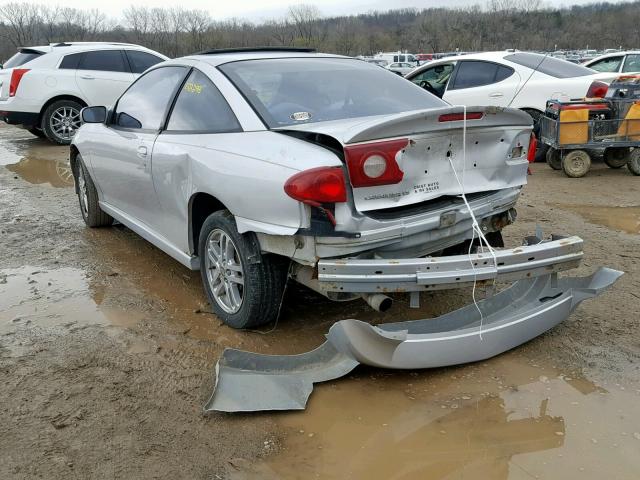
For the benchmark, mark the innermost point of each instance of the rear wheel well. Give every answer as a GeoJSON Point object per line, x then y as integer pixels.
{"type": "Point", "coordinates": [55, 99]}
{"type": "Point", "coordinates": [73, 161]}
{"type": "Point", "coordinates": [201, 205]}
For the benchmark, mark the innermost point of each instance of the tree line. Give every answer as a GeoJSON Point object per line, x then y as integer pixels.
{"type": "Point", "coordinates": [176, 31]}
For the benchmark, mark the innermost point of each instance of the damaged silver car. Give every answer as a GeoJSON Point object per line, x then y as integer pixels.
{"type": "Point", "coordinates": [262, 166]}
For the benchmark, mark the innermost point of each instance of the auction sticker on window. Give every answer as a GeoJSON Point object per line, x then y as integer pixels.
{"type": "Point", "coordinates": [300, 116]}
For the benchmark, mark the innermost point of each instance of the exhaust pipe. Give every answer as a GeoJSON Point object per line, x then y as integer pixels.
{"type": "Point", "coordinates": [378, 301]}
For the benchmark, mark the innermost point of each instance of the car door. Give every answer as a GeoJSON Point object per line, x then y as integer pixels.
{"type": "Point", "coordinates": [121, 159]}
{"type": "Point", "coordinates": [479, 82]}
{"type": "Point", "coordinates": [103, 75]}
{"type": "Point", "coordinates": [201, 123]}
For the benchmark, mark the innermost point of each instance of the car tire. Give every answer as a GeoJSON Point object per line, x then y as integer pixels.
{"type": "Point", "coordinates": [634, 161]}
{"type": "Point", "coordinates": [576, 163]}
{"type": "Point", "coordinates": [244, 286]}
{"type": "Point", "coordinates": [554, 158]}
{"type": "Point", "coordinates": [617, 157]}
{"type": "Point", "coordinates": [60, 121]}
{"type": "Point", "coordinates": [92, 214]}
{"type": "Point", "coordinates": [37, 132]}
{"type": "Point", "coordinates": [541, 149]}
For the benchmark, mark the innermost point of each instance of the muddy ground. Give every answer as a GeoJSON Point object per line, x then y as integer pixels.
{"type": "Point", "coordinates": [107, 352]}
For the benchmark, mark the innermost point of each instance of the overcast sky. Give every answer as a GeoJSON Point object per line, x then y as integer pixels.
{"type": "Point", "coordinates": [257, 10]}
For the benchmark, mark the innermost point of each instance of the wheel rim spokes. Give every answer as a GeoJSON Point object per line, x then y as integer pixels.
{"type": "Point", "coordinates": [65, 121]}
{"type": "Point", "coordinates": [224, 271]}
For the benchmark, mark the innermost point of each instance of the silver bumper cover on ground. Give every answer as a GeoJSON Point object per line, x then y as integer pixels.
{"type": "Point", "coordinates": [248, 381]}
{"type": "Point", "coordinates": [437, 273]}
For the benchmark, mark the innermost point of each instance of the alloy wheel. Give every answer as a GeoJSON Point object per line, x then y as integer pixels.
{"type": "Point", "coordinates": [224, 271]}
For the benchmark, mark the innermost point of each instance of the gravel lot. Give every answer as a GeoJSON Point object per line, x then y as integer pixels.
{"type": "Point", "coordinates": [107, 352]}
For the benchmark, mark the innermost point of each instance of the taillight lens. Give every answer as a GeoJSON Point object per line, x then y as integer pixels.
{"type": "Point", "coordinates": [597, 89]}
{"type": "Point", "coordinates": [317, 185]}
{"type": "Point", "coordinates": [16, 76]}
{"type": "Point", "coordinates": [372, 164]}
{"type": "Point", "coordinates": [533, 146]}
{"type": "Point", "coordinates": [457, 117]}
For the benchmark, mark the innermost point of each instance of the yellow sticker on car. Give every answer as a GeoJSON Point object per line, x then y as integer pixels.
{"type": "Point", "coordinates": [191, 87]}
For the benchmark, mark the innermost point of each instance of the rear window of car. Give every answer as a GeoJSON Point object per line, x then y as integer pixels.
{"type": "Point", "coordinates": [140, 61]}
{"type": "Point", "coordinates": [103, 60]}
{"type": "Point", "coordinates": [71, 62]}
{"type": "Point", "coordinates": [291, 91]}
{"type": "Point", "coordinates": [21, 58]}
{"type": "Point", "coordinates": [551, 66]}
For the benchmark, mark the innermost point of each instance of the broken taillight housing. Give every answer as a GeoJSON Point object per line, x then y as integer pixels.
{"type": "Point", "coordinates": [597, 89]}
{"type": "Point", "coordinates": [16, 76]}
{"type": "Point", "coordinates": [372, 164]}
{"type": "Point", "coordinates": [317, 185]}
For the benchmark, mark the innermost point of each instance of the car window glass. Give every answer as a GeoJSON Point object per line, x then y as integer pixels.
{"type": "Point", "coordinates": [474, 74]}
{"type": "Point", "coordinates": [22, 57]}
{"type": "Point", "coordinates": [632, 64]}
{"type": "Point", "coordinates": [435, 78]}
{"type": "Point", "coordinates": [611, 64]}
{"type": "Point", "coordinates": [553, 67]}
{"type": "Point", "coordinates": [71, 61]}
{"type": "Point", "coordinates": [503, 73]}
{"type": "Point", "coordinates": [145, 103]}
{"type": "Point", "coordinates": [290, 91]}
{"type": "Point", "coordinates": [140, 61]}
{"type": "Point", "coordinates": [200, 107]}
{"type": "Point", "coordinates": [104, 60]}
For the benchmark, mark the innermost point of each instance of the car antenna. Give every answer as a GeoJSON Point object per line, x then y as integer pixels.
{"type": "Point", "coordinates": [530, 75]}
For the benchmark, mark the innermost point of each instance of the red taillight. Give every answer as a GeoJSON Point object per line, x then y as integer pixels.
{"type": "Point", "coordinates": [597, 89]}
{"type": "Point", "coordinates": [372, 164]}
{"type": "Point", "coordinates": [533, 146]}
{"type": "Point", "coordinates": [457, 117]}
{"type": "Point", "coordinates": [317, 185]}
{"type": "Point", "coordinates": [16, 76]}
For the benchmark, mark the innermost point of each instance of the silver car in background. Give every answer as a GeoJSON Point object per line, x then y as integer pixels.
{"type": "Point", "coordinates": [259, 166]}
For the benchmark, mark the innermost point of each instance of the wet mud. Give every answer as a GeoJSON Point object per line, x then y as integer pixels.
{"type": "Point", "coordinates": [107, 349]}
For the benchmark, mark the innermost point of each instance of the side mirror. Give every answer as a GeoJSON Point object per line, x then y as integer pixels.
{"type": "Point", "coordinates": [94, 114]}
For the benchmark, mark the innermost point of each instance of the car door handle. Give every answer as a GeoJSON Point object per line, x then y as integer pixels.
{"type": "Point", "coordinates": [142, 151]}
{"type": "Point", "coordinates": [496, 94]}
{"type": "Point", "coordinates": [87, 77]}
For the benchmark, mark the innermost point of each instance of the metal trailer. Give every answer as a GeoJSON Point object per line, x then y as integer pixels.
{"type": "Point", "coordinates": [572, 129]}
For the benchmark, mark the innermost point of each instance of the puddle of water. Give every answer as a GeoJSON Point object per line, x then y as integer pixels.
{"type": "Point", "coordinates": [54, 172]}
{"type": "Point", "coordinates": [626, 219]}
{"type": "Point", "coordinates": [55, 297]}
{"type": "Point", "coordinates": [505, 419]}
{"type": "Point", "coordinates": [34, 159]}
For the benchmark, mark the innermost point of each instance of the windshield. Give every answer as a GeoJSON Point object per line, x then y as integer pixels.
{"type": "Point", "coordinates": [21, 58]}
{"type": "Point", "coordinates": [554, 67]}
{"type": "Point", "coordinates": [291, 91]}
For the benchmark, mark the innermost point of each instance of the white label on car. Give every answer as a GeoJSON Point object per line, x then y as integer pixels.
{"type": "Point", "coordinates": [300, 116]}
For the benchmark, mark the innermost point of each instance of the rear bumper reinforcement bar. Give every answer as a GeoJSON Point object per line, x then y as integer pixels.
{"type": "Point", "coordinates": [248, 381]}
{"type": "Point", "coordinates": [437, 273]}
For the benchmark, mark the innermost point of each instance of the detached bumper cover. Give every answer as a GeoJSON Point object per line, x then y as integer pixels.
{"type": "Point", "coordinates": [437, 273]}
{"type": "Point", "coordinates": [248, 381]}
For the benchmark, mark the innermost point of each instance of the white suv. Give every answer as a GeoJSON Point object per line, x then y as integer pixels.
{"type": "Point", "coordinates": [44, 88]}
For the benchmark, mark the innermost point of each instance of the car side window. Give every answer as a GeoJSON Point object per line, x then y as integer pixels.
{"type": "Point", "coordinates": [632, 64]}
{"type": "Point", "coordinates": [472, 73]}
{"type": "Point", "coordinates": [434, 79]}
{"type": "Point", "coordinates": [71, 62]}
{"type": "Point", "coordinates": [104, 60]}
{"type": "Point", "coordinates": [146, 102]}
{"type": "Point", "coordinates": [200, 107]}
{"type": "Point", "coordinates": [140, 61]}
{"type": "Point", "coordinates": [611, 64]}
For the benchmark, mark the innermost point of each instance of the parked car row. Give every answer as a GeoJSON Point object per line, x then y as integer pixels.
{"type": "Point", "coordinates": [44, 88]}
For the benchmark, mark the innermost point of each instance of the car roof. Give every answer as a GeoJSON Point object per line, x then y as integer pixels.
{"type": "Point", "coordinates": [229, 56]}
{"type": "Point", "coordinates": [74, 47]}
{"type": "Point", "coordinates": [492, 56]}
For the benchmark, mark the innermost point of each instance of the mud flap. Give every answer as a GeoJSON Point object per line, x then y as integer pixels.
{"type": "Point", "coordinates": [248, 381]}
